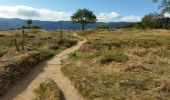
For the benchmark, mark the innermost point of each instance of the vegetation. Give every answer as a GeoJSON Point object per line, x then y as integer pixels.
{"type": "Point", "coordinates": [83, 16]}
{"type": "Point", "coordinates": [116, 57]}
{"type": "Point", "coordinates": [35, 27]}
{"type": "Point", "coordinates": [149, 21]}
{"type": "Point", "coordinates": [114, 64]}
{"type": "Point", "coordinates": [31, 27]}
{"type": "Point", "coordinates": [29, 22]}
{"type": "Point", "coordinates": [122, 64]}
{"type": "Point", "coordinates": [152, 21]}
{"type": "Point", "coordinates": [30, 48]}
{"type": "Point", "coordinates": [103, 26]}
{"type": "Point", "coordinates": [48, 90]}
{"type": "Point", "coordinates": [155, 20]}
{"type": "Point", "coordinates": [165, 6]}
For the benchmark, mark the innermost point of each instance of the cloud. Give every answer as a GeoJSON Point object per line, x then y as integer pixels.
{"type": "Point", "coordinates": [26, 12]}
{"type": "Point", "coordinates": [131, 18]}
{"type": "Point", "coordinates": [115, 17]}
{"type": "Point", "coordinates": [107, 17]}
{"type": "Point", "coordinates": [167, 15]}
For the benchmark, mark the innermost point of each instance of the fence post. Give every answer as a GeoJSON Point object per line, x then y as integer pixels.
{"type": "Point", "coordinates": [22, 43]}
{"type": "Point", "coordinates": [16, 44]}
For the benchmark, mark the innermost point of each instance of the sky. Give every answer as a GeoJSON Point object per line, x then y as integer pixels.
{"type": "Point", "coordinates": [61, 10]}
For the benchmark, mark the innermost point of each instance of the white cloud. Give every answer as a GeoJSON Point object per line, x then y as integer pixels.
{"type": "Point", "coordinates": [130, 18]}
{"type": "Point", "coordinates": [167, 15]}
{"type": "Point", "coordinates": [115, 17]}
{"type": "Point", "coordinates": [25, 12]}
{"type": "Point", "coordinates": [107, 17]}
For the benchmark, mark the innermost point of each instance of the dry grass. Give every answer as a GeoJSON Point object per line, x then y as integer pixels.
{"type": "Point", "coordinates": [34, 39]}
{"type": "Point", "coordinates": [48, 90]}
{"type": "Point", "coordinates": [136, 65]}
{"type": "Point", "coordinates": [39, 45]}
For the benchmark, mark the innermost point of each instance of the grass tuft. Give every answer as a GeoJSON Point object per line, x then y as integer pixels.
{"type": "Point", "coordinates": [116, 58]}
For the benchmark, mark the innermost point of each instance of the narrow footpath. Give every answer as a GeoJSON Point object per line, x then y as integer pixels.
{"type": "Point", "coordinates": [50, 68]}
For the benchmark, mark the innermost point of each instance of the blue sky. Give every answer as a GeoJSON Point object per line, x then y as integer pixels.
{"type": "Point", "coordinates": [106, 10]}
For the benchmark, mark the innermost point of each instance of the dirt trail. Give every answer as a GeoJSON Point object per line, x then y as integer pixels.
{"type": "Point", "coordinates": [50, 68]}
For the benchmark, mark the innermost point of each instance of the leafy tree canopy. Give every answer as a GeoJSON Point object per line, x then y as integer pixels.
{"type": "Point", "coordinates": [84, 16]}
{"type": "Point", "coordinates": [165, 5]}
{"type": "Point", "coordinates": [29, 21]}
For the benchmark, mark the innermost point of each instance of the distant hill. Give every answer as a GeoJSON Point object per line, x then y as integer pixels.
{"type": "Point", "coordinates": [14, 23]}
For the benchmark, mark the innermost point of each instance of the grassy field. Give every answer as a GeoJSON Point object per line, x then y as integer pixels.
{"type": "Point", "coordinates": [38, 45]}
{"type": "Point", "coordinates": [34, 39]}
{"type": "Point", "coordinates": [122, 64]}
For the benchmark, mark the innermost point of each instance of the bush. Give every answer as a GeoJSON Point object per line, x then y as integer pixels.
{"type": "Point", "coordinates": [32, 27]}
{"type": "Point", "coordinates": [47, 90]}
{"type": "Point", "coordinates": [73, 56]}
{"type": "Point", "coordinates": [47, 54]}
{"type": "Point", "coordinates": [35, 27]}
{"type": "Point", "coordinates": [2, 53]}
{"type": "Point", "coordinates": [54, 47]}
{"type": "Point", "coordinates": [103, 26]}
{"type": "Point", "coordinates": [67, 42]}
{"type": "Point", "coordinates": [115, 57]}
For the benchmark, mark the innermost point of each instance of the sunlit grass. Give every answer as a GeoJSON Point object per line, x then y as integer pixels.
{"type": "Point", "coordinates": [135, 65]}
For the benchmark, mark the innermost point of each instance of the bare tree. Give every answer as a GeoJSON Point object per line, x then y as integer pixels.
{"type": "Point", "coordinates": [16, 44]}
{"type": "Point", "coordinates": [23, 37]}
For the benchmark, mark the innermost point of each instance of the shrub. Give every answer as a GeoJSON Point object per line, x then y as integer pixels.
{"type": "Point", "coordinates": [67, 42]}
{"type": "Point", "coordinates": [140, 53]}
{"type": "Point", "coordinates": [32, 27]}
{"type": "Point", "coordinates": [102, 26]}
{"type": "Point", "coordinates": [115, 57]}
{"type": "Point", "coordinates": [47, 90]}
{"type": "Point", "coordinates": [46, 54]}
{"type": "Point", "coordinates": [73, 56]}
{"type": "Point", "coordinates": [2, 53]}
{"type": "Point", "coordinates": [54, 47]}
{"type": "Point", "coordinates": [35, 27]}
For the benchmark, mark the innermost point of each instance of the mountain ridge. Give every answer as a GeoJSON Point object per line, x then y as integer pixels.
{"type": "Point", "coordinates": [14, 23]}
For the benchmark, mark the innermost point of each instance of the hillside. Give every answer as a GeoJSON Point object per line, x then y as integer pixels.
{"type": "Point", "coordinates": [38, 46]}
{"type": "Point", "coordinates": [51, 25]}
{"type": "Point", "coordinates": [109, 64]}
{"type": "Point", "coordinates": [122, 64]}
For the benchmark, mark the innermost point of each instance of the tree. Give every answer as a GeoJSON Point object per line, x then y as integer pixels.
{"type": "Point", "coordinates": [23, 39]}
{"type": "Point", "coordinates": [16, 44]}
{"type": "Point", "coordinates": [29, 22]}
{"type": "Point", "coordinates": [151, 20]}
{"type": "Point", "coordinates": [165, 5]}
{"type": "Point", "coordinates": [83, 16]}
{"type": "Point", "coordinates": [148, 21]}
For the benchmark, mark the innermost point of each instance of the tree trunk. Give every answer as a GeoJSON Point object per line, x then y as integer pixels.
{"type": "Point", "coordinates": [155, 22]}
{"type": "Point", "coordinates": [29, 26]}
{"type": "Point", "coordinates": [61, 33]}
{"type": "Point", "coordinates": [16, 45]}
{"type": "Point", "coordinates": [83, 27]}
{"type": "Point", "coordinates": [22, 43]}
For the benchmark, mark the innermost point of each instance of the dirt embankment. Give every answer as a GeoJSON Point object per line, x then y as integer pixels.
{"type": "Point", "coordinates": [50, 68]}
{"type": "Point", "coordinates": [16, 68]}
